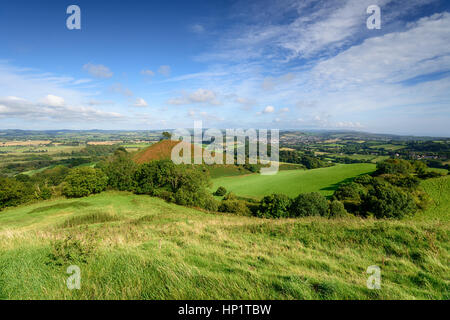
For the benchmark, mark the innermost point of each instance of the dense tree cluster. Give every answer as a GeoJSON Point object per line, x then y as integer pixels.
{"type": "Point", "coordinates": [309, 161]}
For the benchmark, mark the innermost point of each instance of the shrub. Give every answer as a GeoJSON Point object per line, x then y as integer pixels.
{"type": "Point", "coordinates": [235, 206]}
{"type": "Point", "coordinates": [13, 192]}
{"type": "Point", "coordinates": [309, 204]}
{"type": "Point", "coordinates": [84, 181]}
{"type": "Point", "coordinates": [337, 210]}
{"type": "Point", "coordinates": [364, 179]}
{"type": "Point", "coordinates": [394, 166]}
{"type": "Point", "coordinates": [230, 196]}
{"type": "Point", "coordinates": [120, 170]}
{"type": "Point", "coordinates": [387, 201]}
{"type": "Point", "coordinates": [349, 191]}
{"type": "Point", "coordinates": [401, 180]}
{"type": "Point", "coordinates": [274, 206]}
{"type": "Point", "coordinates": [70, 250]}
{"type": "Point", "coordinates": [45, 193]}
{"type": "Point", "coordinates": [221, 191]}
{"type": "Point", "coordinates": [53, 176]}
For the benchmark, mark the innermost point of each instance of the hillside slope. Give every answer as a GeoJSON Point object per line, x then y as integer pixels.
{"type": "Point", "coordinates": [137, 247]}
{"type": "Point", "coordinates": [294, 182]}
{"type": "Point", "coordinates": [162, 150]}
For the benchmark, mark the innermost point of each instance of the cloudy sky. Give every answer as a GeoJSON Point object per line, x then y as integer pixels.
{"type": "Point", "coordinates": [303, 64]}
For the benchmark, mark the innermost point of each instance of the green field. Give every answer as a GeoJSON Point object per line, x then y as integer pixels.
{"type": "Point", "coordinates": [439, 190]}
{"type": "Point", "coordinates": [138, 247]}
{"type": "Point", "coordinates": [293, 182]}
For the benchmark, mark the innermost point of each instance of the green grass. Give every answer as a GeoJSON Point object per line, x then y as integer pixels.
{"type": "Point", "coordinates": [439, 191]}
{"type": "Point", "coordinates": [293, 182]}
{"type": "Point", "coordinates": [150, 249]}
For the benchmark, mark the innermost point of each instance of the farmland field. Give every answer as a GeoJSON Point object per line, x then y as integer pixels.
{"type": "Point", "coordinates": [293, 182]}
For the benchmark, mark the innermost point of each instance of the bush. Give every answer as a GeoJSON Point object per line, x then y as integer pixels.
{"type": "Point", "coordinates": [387, 201]}
{"type": "Point", "coordinates": [309, 204]}
{"type": "Point", "coordinates": [221, 191]}
{"type": "Point", "coordinates": [394, 166]}
{"type": "Point", "coordinates": [230, 196]}
{"type": "Point", "coordinates": [84, 181]}
{"type": "Point", "coordinates": [349, 191]}
{"type": "Point", "coordinates": [120, 170]}
{"type": "Point", "coordinates": [13, 192]}
{"type": "Point", "coordinates": [70, 250]}
{"type": "Point", "coordinates": [274, 206]}
{"type": "Point", "coordinates": [401, 180]}
{"type": "Point", "coordinates": [184, 185]}
{"type": "Point", "coordinates": [45, 193]}
{"type": "Point", "coordinates": [337, 210]}
{"type": "Point", "coordinates": [364, 179]}
{"type": "Point", "coordinates": [235, 206]}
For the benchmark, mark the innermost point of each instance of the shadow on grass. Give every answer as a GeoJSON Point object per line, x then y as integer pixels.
{"type": "Point", "coordinates": [334, 186]}
{"type": "Point", "coordinates": [58, 206]}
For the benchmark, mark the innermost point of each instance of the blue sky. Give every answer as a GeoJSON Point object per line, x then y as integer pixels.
{"type": "Point", "coordinates": [255, 64]}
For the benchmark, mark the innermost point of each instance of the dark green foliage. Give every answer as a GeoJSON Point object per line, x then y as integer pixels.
{"type": "Point", "coordinates": [309, 161]}
{"type": "Point", "coordinates": [221, 191]}
{"type": "Point", "coordinates": [309, 204]}
{"type": "Point", "coordinates": [52, 177]}
{"type": "Point", "coordinates": [420, 167]}
{"type": "Point", "coordinates": [394, 166]}
{"type": "Point", "coordinates": [364, 179]}
{"type": "Point", "coordinates": [22, 178]}
{"type": "Point", "coordinates": [167, 135]}
{"type": "Point", "coordinates": [84, 181]}
{"type": "Point", "coordinates": [70, 250]}
{"type": "Point", "coordinates": [230, 196]}
{"type": "Point", "coordinates": [120, 170]}
{"type": "Point", "coordinates": [274, 206]}
{"type": "Point", "coordinates": [349, 191]}
{"type": "Point", "coordinates": [184, 185]}
{"type": "Point", "coordinates": [431, 175]}
{"type": "Point", "coordinates": [13, 192]}
{"type": "Point", "coordinates": [400, 180]}
{"type": "Point", "coordinates": [387, 201]}
{"type": "Point", "coordinates": [252, 167]}
{"type": "Point", "coordinates": [337, 209]}
{"type": "Point", "coordinates": [235, 206]}
{"type": "Point", "coordinates": [46, 193]}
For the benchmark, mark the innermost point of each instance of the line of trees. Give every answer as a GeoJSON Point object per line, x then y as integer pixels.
{"type": "Point", "coordinates": [393, 191]}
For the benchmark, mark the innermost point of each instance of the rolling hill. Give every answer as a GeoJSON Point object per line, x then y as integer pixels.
{"type": "Point", "coordinates": [293, 182]}
{"type": "Point", "coordinates": [136, 247]}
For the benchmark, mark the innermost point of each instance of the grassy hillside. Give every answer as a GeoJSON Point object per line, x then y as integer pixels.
{"type": "Point", "coordinates": [293, 182]}
{"type": "Point", "coordinates": [439, 191]}
{"type": "Point", "coordinates": [138, 247]}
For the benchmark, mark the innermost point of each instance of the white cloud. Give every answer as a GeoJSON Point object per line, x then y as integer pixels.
{"type": "Point", "coordinates": [197, 28]}
{"type": "Point", "coordinates": [164, 70]}
{"type": "Point", "coordinates": [148, 73]}
{"type": "Point", "coordinates": [120, 89]}
{"type": "Point", "coordinates": [269, 109]}
{"type": "Point", "coordinates": [53, 101]}
{"type": "Point", "coordinates": [140, 103]}
{"type": "Point", "coordinates": [52, 109]}
{"type": "Point", "coordinates": [201, 95]}
{"type": "Point", "coordinates": [98, 71]}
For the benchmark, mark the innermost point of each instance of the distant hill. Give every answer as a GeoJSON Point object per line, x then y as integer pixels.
{"type": "Point", "coordinates": [161, 150]}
